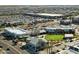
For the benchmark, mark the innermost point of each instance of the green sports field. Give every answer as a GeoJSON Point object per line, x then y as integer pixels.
{"type": "Point", "coordinates": [54, 37]}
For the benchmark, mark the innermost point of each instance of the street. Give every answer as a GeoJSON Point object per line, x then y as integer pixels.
{"type": "Point", "coordinates": [14, 49]}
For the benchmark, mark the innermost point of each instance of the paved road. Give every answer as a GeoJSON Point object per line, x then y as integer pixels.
{"type": "Point", "coordinates": [14, 49]}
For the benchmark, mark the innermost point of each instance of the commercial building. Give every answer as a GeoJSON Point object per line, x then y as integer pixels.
{"type": "Point", "coordinates": [45, 15]}
{"type": "Point", "coordinates": [75, 20]}
{"type": "Point", "coordinates": [66, 22]}
{"type": "Point", "coordinates": [75, 48]}
{"type": "Point", "coordinates": [60, 30]}
{"type": "Point", "coordinates": [72, 49]}
{"type": "Point", "coordinates": [42, 32]}
{"type": "Point", "coordinates": [36, 44]}
{"type": "Point", "coordinates": [68, 35]}
{"type": "Point", "coordinates": [65, 52]}
{"type": "Point", "coordinates": [13, 23]}
{"type": "Point", "coordinates": [16, 32]}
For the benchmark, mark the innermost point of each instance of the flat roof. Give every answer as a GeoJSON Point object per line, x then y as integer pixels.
{"type": "Point", "coordinates": [42, 31]}
{"type": "Point", "coordinates": [76, 45]}
{"type": "Point", "coordinates": [16, 31]}
{"type": "Point", "coordinates": [45, 14]}
{"type": "Point", "coordinates": [33, 40]}
{"type": "Point", "coordinates": [67, 20]}
{"type": "Point", "coordinates": [60, 27]}
{"type": "Point", "coordinates": [76, 16]}
{"type": "Point", "coordinates": [69, 35]}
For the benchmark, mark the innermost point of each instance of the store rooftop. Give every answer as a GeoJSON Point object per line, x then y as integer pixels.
{"type": "Point", "coordinates": [45, 14]}
{"type": "Point", "coordinates": [17, 31]}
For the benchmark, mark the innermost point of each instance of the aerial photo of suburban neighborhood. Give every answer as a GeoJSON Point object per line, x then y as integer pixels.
{"type": "Point", "coordinates": [39, 29]}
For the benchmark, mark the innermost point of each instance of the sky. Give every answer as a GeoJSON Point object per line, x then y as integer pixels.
{"type": "Point", "coordinates": [39, 2]}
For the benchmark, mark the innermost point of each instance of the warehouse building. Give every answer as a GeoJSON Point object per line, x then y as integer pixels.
{"type": "Point", "coordinates": [13, 23]}
{"type": "Point", "coordinates": [66, 22]}
{"type": "Point", "coordinates": [68, 37]}
{"type": "Point", "coordinates": [16, 33]}
{"type": "Point", "coordinates": [72, 49]}
{"type": "Point", "coordinates": [45, 15]}
{"type": "Point", "coordinates": [75, 48]}
{"type": "Point", "coordinates": [60, 30]}
{"type": "Point", "coordinates": [36, 44]}
{"type": "Point", "coordinates": [42, 32]}
{"type": "Point", "coordinates": [75, 20]}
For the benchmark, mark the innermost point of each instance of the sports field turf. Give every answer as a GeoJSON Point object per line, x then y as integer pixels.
{"type": "Point", "coordinates": [54, 37]}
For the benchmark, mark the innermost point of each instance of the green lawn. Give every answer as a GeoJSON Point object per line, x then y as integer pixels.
{"type": "Point", "coordinates": [54, 37]}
